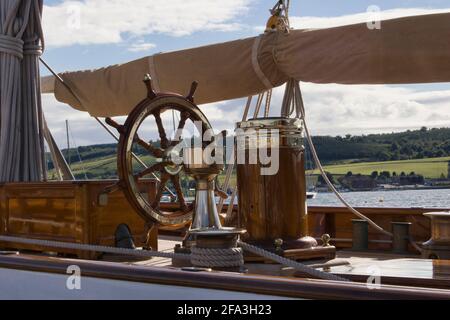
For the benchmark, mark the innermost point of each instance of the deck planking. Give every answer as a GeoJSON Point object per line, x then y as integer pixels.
{"type": "Point", "coordinates": [407, 270]}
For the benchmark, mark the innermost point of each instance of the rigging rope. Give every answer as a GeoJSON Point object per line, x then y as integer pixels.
{"type": "Point", "coordinates": [293, 97]}
{"type": "Point", "coordinates": [301, 111]}
{"type": "Point", "coordinates": [200, 256]}
{"type": "Point", "coordinates": [78, 152]}
{"type": "Point", "coordinates": [290, 263]}
{"type": "Point", "coordinates": [104, 126]}
{"type": "Point", "coordinates": [230, 166]}
{"type": "Point", "coordinates": [95, 248]}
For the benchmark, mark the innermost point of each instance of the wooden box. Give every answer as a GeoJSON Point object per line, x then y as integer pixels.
{"type": "Point", "coordinates": [71, 211]}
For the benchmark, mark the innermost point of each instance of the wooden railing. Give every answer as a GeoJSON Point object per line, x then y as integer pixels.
{"type": "Point", "coordinates": [337, 222]}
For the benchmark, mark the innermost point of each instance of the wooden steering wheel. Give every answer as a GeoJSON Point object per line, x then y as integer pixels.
{"type": "Point", "coordinates": [164, 165]}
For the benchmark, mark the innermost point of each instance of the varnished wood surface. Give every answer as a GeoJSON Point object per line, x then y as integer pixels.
{"type": "Point", "coordinates": [336, 221]}
{"type": "Point", "coordinates": [394, 269]}
{"type": "Point", "coordinates": [68, 211]}
{"type": "Point", "coordinates": [288, 287]}
{"type": "Point", "coordinates": [274, 206]}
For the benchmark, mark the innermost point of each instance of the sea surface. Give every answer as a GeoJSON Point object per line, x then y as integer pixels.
{"type": "Point", "coordinates": [435, 198]}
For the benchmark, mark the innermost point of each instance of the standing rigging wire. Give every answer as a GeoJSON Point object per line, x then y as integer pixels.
{"type": "Point", "coordinates": [286, 12]}
{"type": "Point", "coordinates": [68, 143]}
{"type": "Point", "coordinates": [104, 126]}
{"type": "Point", "coordinates": [173, 122]}
{"type": "Point", "coordinates": [83, 168]}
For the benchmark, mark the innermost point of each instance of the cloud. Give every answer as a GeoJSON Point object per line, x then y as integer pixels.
{"type": "Point", "coordinates": [331, 109]}
{"type": "Point", "coordinates": [310, 22]}
{"type": "Point", "coordinates": [314, 22]}
{"type": "Point", "coordinates": [340, 109]}
{"type": "Point", "coordinates": [141, 46]}
{"type": "Point", "coordinates": [86, 130]}
{"type": "Point", "coordinates": [111, 21]}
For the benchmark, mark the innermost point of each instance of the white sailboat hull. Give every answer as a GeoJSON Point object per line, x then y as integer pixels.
{"type": "Point", "coordinates": [21, 284]}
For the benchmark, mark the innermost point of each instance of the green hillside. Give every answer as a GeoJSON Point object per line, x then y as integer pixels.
{"type": "Point", "coordinates": [429, 168]}
{"type": "Point", "coordinates": [424, 151]}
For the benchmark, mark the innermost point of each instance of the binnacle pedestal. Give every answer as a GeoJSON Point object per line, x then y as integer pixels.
{"type": "Point", "coordinates": [272, 201]}
{"type": "Point", "coordinates": [210, 244]}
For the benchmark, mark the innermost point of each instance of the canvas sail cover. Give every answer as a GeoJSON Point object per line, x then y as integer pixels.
{"type": "Point", "coordinates": [405, 50]}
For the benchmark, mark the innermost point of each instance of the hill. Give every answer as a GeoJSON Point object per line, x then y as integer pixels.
{"type": "Point", "coordinates": [430, 168]}
{"type": "Point", "coordinates": [415, 144]}
{"type": "Point", "coordinates": [424, 151]}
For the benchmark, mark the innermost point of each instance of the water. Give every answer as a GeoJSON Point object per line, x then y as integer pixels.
{"type": "Point", "coordinates": [435, 198]}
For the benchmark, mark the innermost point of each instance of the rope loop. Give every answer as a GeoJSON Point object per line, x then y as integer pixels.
{"type": "Point", "coordinates": [11, 45]}
{"type": "Point", "coordinates": [215, 257]}
{"type": "Point", "coordinates": [30, 48]}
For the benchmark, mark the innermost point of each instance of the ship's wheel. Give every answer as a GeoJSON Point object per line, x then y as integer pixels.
{"type": "Point", "coordinates": [165, 155]}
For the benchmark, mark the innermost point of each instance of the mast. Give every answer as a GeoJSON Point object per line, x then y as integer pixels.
{"type": "Point", "coordinates": [68, 142]}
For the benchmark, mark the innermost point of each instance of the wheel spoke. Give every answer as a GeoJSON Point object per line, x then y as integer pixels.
{"type": "Point", "coordinates": [155, 151]}
{"type": "Point", "coordinates": [161, 131]}
{"type": "Point", "coordinates": [153, 168]}
{"type": "Point", "coordinates": [162, 184]}
{"type": "Point", "coordinates": [183, 117]}
{"type": "Point", "coordinates": [176, 183]}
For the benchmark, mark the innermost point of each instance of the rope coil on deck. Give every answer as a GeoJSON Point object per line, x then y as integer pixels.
{"type": "Point", "coordinates": [215, 257]}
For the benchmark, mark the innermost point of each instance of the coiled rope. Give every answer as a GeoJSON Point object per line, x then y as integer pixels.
{"type": "Point", "coordinates": [21, 127]}
{"type": "Point", "coordinates": [215, 257]}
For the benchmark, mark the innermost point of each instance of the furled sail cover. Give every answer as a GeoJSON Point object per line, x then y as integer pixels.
{"type": "Point", "coordinates": [405, 50]}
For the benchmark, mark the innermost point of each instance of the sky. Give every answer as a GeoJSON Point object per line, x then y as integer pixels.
{"type": "Point", "coordinates": [88, 34]}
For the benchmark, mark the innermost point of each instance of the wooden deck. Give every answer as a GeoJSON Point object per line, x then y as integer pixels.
{"type": "Point", "coordinates": [165, 244]}
{"type": "Point", "coordinates": [405, 270]}
{"type": "Point", "coordinates": [395, 270]}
